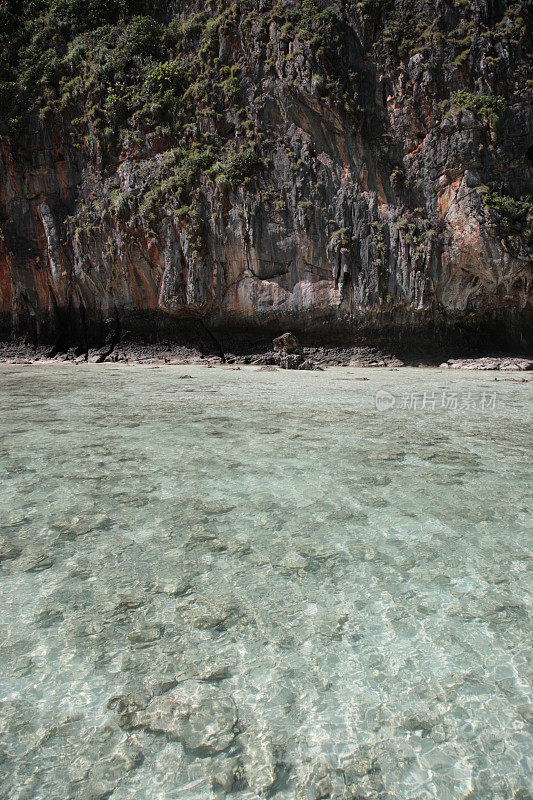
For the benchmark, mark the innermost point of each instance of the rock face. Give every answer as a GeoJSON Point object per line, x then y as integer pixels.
{"type": "Point", "coordinates": [339, 169]}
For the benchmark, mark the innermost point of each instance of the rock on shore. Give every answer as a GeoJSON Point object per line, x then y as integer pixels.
{"type": "Point", "coordinates": [503, 364]}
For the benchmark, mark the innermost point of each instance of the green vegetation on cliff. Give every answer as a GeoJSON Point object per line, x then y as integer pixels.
{"type": "Point", "coordinates": [187, 97]}
{"type": "Point", "coordinates": [513, 217]}
{"type": "Point", "coordinates": [485, 106]}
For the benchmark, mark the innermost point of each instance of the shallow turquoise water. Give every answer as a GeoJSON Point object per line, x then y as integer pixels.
{"type": "Point", "coordinates": [294, 594]}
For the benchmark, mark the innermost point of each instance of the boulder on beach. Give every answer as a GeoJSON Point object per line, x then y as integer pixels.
{"type": "Point", "coordinates": [287, 342]}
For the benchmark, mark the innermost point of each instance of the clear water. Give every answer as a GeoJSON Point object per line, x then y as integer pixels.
{"type": "Point", "coordinates": [334, 599]}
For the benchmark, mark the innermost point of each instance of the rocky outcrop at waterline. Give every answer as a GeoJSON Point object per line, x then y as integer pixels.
{"type": "Point", "coordinates": [350, 171]}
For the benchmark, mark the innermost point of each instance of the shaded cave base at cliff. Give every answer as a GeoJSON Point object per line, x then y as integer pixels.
{"type": "Point", "coordinates": [392, 336]}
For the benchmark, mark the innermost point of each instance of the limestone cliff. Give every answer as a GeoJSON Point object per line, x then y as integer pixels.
{"type": "Point", "coordinates": [341, 169]}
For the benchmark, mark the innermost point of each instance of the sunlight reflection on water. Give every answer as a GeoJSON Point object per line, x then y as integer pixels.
{"type": "Point", "coordinates": [288, 592]}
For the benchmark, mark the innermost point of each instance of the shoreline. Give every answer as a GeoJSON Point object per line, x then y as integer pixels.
{"type": "Point", "coordinates": [304, 358]}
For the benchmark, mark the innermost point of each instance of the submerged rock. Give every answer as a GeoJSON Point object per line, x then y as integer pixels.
{"type": "Point", "coordinates": [292, 561]}
{"type": "Point", "coordinates": [199, 716]}
{"type": "Point", "coordinates": [9, 550]}
{"type": "Point", "coordinates": [145, 632]}
{"type": "Point", "coordinates": [21, 729]}
{"type": "Point", "coordinates": [208, 614]}
{"type": "Point", "coordinates": [106, 773]}
{"type": "Point", "coordinates": [34, 561]}
{"type": "Point", "coordinates": [319, 780]}
{"type": "Point", "coordinates": [126, 704]}
{"type": "Point", "coordinates": [175, 586]}
{"type": "Point", "coordinates": [260, 764]}
{"type": "Point", "coordinates": [227, 775]}
{"type": "Point", "coordinates": [129, 600]}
